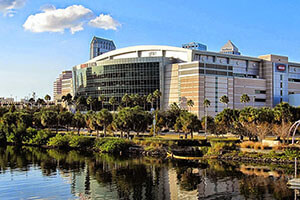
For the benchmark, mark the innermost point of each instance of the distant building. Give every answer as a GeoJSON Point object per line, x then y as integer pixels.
{"type": "Point", "coordinates": [62, 86]}
{"type": "Point", "coordinates": [6, 100]}
{"type": "Point", "coordinates": [230, 48]}
{"type": "Point", "coordinates": [195, 46]}
{"type": "Point", "coordinates": [100, 46]}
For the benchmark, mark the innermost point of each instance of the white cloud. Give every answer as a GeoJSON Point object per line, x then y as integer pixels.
{"type": "Point", "coordinates": [105, 22]}
{"type": "Point", "coordinates": [57, 20]}
{"type": "Point", "coordinates": [8, 7]}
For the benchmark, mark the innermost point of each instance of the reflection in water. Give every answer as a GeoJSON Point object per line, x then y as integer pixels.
{"type": "Point", "coordinates": [29, 172]}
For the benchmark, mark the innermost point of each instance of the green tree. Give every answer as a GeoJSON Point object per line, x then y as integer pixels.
{"type": "Point", "coordinates": [190, 123]}
{"type": "Point", "coordinates": [206, 104]}
{"type": "Point", "coordinates": [190, 104]}
{"type": "Point", "coordinates": [113, 102]}
{"type": "Point", "coordinates": [225, 100]}
{"type": "Point", "coordinates": [67, 99]}
{"type": "Point", "coordinates": [245, 99]}
{"type": "Point", "coordinates": [126, 99]}
{"type": "Point", "coordinates": [65, 119]}
{"type": "Point", "coordinates": [104, 118]}
{"type": "Point", "coordinates": [79, 121]}
{"type": "Point", "coordinates": [125, 120]}
{"type": "Point", "coordinates": [90, 101]}
{"type": "Point", "coordinates": [150, 99]}
{"type": "Point", "coordinates": [157, 94]}
{"type": "Point", "coordinates": [101, 98]}
{"type": "Point", "coordinates": [40, 102]}
{"type": "Point", "coordinates": [49, 119]}
{"type": "Point", "coordinates": [47, 98]}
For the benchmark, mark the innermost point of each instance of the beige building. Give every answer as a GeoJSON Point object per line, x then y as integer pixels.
{"type": "Point", "coordinates": [182, 74]}
{"type": "Point", "coordinates": [62, 86]}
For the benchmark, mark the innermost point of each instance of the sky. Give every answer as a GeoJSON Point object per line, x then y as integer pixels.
{"type": "Point", "coordinates": [40, 39]}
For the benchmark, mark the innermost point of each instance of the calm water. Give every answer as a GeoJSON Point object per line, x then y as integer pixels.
{"type": "Point", "coordinates": [32, 173]}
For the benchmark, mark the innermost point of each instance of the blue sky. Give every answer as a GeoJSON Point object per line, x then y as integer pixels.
{"type": "Point", "coordinates": [32, 54]}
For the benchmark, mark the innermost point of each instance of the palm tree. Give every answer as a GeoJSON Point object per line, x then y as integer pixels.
{"type": "Point", "coordinates": [144, 100]}
{"type": "Point", "coordinates": [102, 99]}
{"type": "Point", "coordinates": [68, 98]}
{"type": "Point", "coordinates": [113, 102]}
{"type": "Point", "coordinates": [90, 101]}
{"type": "Point", "coordinates": [206, 104]}
{"type": "Point", "coordinates": [190, 104]}
{"type": "Point", "coordinates": [150, 99]}
{"type": "Point", "coordinates": [104, 118]}
{"type": "Point", "coordinates": [225, 100]}
{"type": "Point", "coordinates": [126, 99]}
{"type": "Point", "coordinates": [47, 98]}
{"type": "Point", "coordinates": [245, 99]}
{"type": "Point", "coordinates": [157, 94]}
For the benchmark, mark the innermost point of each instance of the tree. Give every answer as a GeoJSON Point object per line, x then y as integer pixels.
{"type": "Point", "coordinates": [80, 101]}
{"type": "Point", "coordinates": [101, 98]}
{"type": "Point", "coordinates": [225, 100]}
{"type": "Point", "coordinates": [144, 119]}
{"type": "Point", "coordinates": [40, 102]}
{"type": "Point", "coordinates": [126, 99]}
{"type": "Point", "coordinates": [156, 95]}
{"type": "Point", "coordinates": [245, 99]}
{"type": "Point", "coordinates": [79, 121]}
{"type": "Point", "coordinates": [125, 120]}
{"type": "Point", "coordinates": [49, 119]}
{"type": "Point", "coordinates": [206, 104]}
{"type": "Point", "coordinates": [65, 119]}
{"type": "Point", "coordinates": [283, 117]}
{"type": "Point", "coordinates": [90, 101]}
{"type": "Point", "coordinates": [226, 120]}
{"type": "Point", "coordinates": [189, 123]}
{"type": "Point", "coordinates": [190, 104]}
{"type": "Point", "coordinates": [104, 118]}
{"type": "Point", "coordinates": [68, 98]}
{"type": "Point", "coordinates": [113, 102]}
{"type": "Point", "coordinates": [150, 99]}
{"type": "Point", "coordinates": [209, 122]}
{"type": "Point", "coordinates": [259, 129]}
{"type": "Point", "coordinates": [47, 98]}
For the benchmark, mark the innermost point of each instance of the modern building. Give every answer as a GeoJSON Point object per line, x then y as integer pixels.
{"type": "Point", "coordinates": [62, 86]}
{"type": "Point", "coordinates": [99, 46]}
{"type": "Point", "coordinates": [182, 74]}
{"type": "Point", "coordinates": [195, 46]}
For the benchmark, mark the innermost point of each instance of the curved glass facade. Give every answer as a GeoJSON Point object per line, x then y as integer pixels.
{"type": "Point", "coordinates": [114, 78]}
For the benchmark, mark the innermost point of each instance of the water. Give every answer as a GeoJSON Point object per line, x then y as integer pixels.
{"type": "Point", "coordinates": [33, 173]}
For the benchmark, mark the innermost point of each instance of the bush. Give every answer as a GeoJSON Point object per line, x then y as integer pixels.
{"type": "Point", "coordinates": [41, 137]}
{"type": "Point", "coordinates": [60, 141]}
{"type": "Point", "coordinates": [247, 144]}
{"type": "Point", "coordinates": [221, 147]}
{"type": "Point", "coordinates": [112, 145]}
{"type": "Point", "coordinates": [80, 142]}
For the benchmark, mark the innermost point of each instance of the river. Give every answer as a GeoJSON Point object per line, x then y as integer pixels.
{"type": "Point", "coordinates": [34, 173]}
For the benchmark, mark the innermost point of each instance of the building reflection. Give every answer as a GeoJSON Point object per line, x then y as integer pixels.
{"type": "Point", "coordinates": [97, 176]}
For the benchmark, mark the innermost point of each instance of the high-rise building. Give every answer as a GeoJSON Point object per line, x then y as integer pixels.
{"type": "Point", "coordinates": [99, 46]}
{"type": "Point", "coordinates": [230, 48]}
{"type": "Point", "coordinates": [195, 46]}
{"type": "Point", "coordinates": [62, 86]}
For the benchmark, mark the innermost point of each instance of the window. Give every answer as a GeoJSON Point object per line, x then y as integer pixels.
{"type": "Point", "coordinates": [260, 91]}
{"type": "Point", "coordinates": [260, 100]}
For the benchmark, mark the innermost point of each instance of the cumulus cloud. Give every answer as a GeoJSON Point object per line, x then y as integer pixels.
{"type": "Point", "coordinates": [8, 7]}
{"type": "Point", "coordinates": [57, 20]}
{"type": "Point", "coordinates": [105, 22]}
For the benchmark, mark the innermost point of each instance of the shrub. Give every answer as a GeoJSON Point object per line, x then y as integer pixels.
{"type": "Point", "coordinates": [41, 137]}
{"type": "Point", "coordinates": [112, 145]}
{"type": "Point", "coordinates": [80, 142]}
{"type": "Point", "coordinates": [60, 141]}
{"type": "Point", "coordinates": [221, 147]}
{"type": "Point", "coordinates": [247, 144]}
{"type": "Point", "coordinates": [259, 145]}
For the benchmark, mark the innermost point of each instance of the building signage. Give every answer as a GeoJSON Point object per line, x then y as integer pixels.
{"type": "Point", "coordinates": [280, 67]}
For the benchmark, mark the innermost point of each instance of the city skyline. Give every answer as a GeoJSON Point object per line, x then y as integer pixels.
{"type": "Point", "coordinates": [36, 48]}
